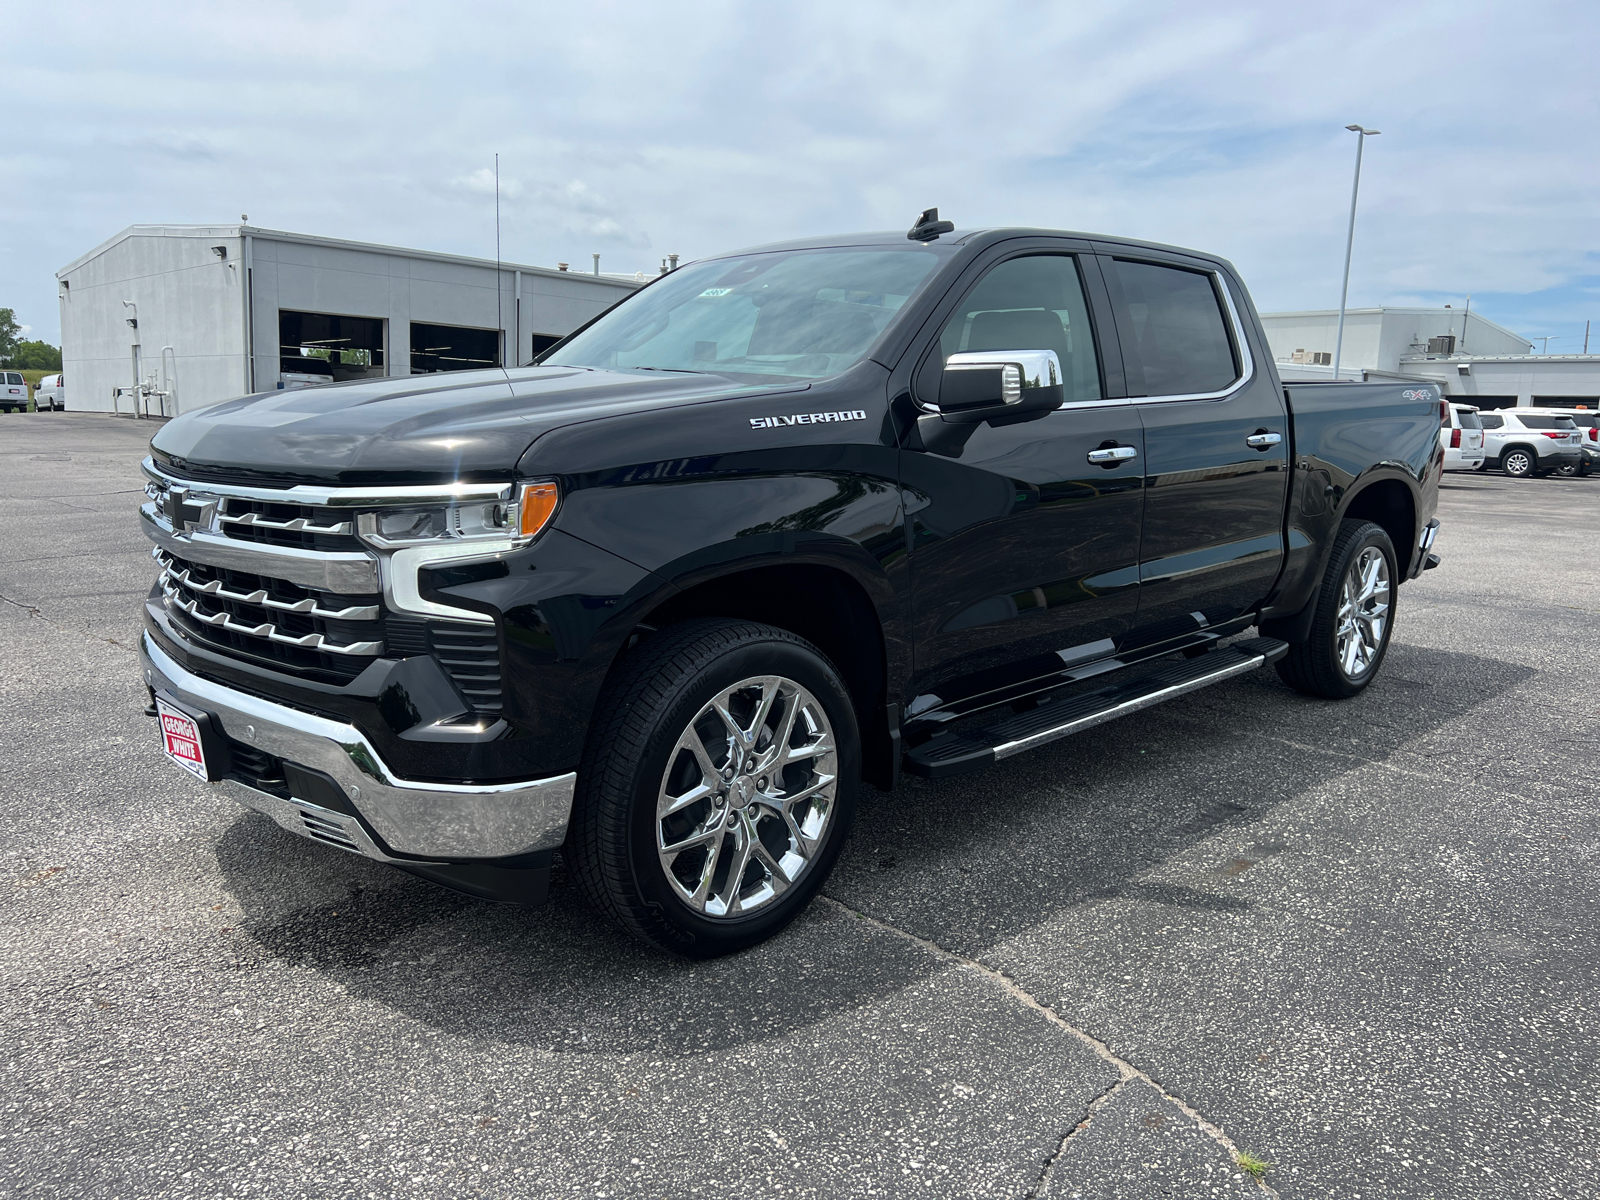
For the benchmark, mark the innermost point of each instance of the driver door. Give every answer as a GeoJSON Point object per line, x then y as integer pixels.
{"type": "Point", "coordinates": [1024, 549]}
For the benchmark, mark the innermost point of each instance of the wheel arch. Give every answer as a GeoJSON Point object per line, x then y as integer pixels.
{"type": "Point", "coordinates": [820, 601]}
{"type": "Point", "coordinates": [1391, 504]}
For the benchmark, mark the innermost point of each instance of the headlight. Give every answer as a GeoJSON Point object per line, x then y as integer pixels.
{"type": "Point", "coordinates": [458, 525]}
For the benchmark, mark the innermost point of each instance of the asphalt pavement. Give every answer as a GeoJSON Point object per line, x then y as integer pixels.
{"type": "Point", "coordinates": [1356, 940]}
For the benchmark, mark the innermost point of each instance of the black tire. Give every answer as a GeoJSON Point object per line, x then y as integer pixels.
{"type": "Point", "coordinates": [1314, 666]}
{"type": "Point", "coordinates": [654, 699]}
{"type": "Point", "coordinates": [1519, 462]}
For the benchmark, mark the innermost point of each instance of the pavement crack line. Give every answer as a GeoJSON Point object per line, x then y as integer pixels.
{"type": "Point", "coordinates": [1126, 1071]}
{"type": "Point", "coordinates": [37, 613]}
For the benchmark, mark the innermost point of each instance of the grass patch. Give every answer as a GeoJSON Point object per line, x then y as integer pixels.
{"type": "Point", "coordinates": [1252, 1166]}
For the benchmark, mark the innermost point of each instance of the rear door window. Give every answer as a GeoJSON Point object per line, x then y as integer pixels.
{"type": "Point", "coordinates": [1174, 331]}
{"type": "Point", "coordinates": [13, 376]}
{"type": "Point", "coordinates": [1468, 420]}
{"type": "Point", "coordinates": [1532, 422]}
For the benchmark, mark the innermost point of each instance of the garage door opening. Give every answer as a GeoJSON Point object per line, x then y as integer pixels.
{"type": "Point", "coordinates": [452, 348]}
{"type": "Point", "coordinates": [542, 342]}
{"type": "Point", "coordinates": [327, 348]}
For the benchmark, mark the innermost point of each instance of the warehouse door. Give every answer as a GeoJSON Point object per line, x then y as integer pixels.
{"type": "Point", "coordinates": [452, 348]}
{"type": "Point", "coordinates": [327, 348]}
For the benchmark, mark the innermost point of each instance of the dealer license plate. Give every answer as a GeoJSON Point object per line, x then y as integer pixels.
{"type": "Point", "coordinates": [180, 739]}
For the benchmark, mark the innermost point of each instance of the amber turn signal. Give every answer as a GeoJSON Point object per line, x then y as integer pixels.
{"type": "Point", "coordinates": [536, 504]}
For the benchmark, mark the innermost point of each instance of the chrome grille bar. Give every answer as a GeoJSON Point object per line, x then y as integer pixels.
{"type": "Point", "coordinates": [260, 597]}
{"type": "Point", "coordinates": [266, 630]}
{"type": "Point", "coordinates": [296, 525]}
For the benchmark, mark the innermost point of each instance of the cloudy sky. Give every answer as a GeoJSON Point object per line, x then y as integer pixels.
{"type": "Point", "coordinates": [639, 129]}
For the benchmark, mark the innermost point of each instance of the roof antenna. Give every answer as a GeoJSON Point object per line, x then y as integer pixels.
{"type": "Point", "coordinates": [927, 227]}
{"type": "Point", "coordinates": [499, 322]}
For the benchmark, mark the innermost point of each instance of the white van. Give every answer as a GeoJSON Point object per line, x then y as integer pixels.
{"type": "Point", "coordinates": [13, 391]}
{"type": "Point", "coordinates": [51, 394]}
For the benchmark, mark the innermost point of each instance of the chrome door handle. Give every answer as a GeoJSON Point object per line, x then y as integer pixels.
{"type": "Point", "coordinates": [1112, 455]}
{"type": "Point", "coordinates": [1260, 441]}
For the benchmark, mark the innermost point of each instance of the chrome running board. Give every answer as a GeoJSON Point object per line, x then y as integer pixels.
{"type": "Point", "coordinates": [959, 751]}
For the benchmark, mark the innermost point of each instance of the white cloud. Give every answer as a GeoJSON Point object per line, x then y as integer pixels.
{"type": "Point", "coordinates": [636, 129]}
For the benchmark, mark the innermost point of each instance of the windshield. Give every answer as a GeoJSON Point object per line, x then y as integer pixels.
{"type": "Point", "coordinates": [788, 315]}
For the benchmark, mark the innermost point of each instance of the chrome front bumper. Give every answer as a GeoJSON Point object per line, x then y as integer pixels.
{"type": "Point", "coordinates": [427, 822]}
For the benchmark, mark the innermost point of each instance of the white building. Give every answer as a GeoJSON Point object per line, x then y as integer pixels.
{"type": "Point", "coordinates": [1483, 363]}
{"type": "Point", "coordinates": [189, 315]}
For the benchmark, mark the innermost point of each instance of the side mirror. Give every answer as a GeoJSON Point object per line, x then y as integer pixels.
{"type": "Point", "coordinates": [980, 385]}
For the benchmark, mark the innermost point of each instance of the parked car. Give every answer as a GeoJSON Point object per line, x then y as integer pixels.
{"type": "Point", "coordinates": [1462, 439]}
{"type": "Point", "coordinates": [13, 391]}
{"type": "Point", "coordinates": [51, 394]}
{"type": "Point", "coordinates": [1526, 442]}
{"type": "Point", "coordinates": [778, 523]}
{"type": "Point", "coordinates": [1586, 419]}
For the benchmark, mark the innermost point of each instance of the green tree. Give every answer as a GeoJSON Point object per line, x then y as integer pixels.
{"type": "Point", "coordinates": [35, 356]}
{"type": "Point", "coordinates": [9, 332]}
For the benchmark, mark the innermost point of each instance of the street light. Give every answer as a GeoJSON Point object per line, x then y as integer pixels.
{"type": "Point", "coordinates": [1350, 240]}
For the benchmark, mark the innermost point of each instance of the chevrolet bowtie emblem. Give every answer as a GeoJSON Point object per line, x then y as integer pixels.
{"type": "Point", "coordinates": [186, 515]}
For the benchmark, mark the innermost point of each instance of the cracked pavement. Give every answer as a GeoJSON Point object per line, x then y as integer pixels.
{"type": "Point", "coordinates": [1354, 940]}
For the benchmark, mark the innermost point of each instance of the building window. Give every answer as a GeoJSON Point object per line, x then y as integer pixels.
{"type": "Point", "coordinates": [452, 348]}
{"type": "Point", "coordinates": [327, 347]}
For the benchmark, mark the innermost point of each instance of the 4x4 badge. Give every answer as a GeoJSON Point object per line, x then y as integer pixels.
{"type": "Point", "coordinates": [821, 418]}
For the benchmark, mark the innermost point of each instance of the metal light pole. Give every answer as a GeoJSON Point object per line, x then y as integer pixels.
{"type": "Point", "coordinates": [1350, 240]}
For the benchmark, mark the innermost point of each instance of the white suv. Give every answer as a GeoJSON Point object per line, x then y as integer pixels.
{"type": "Point", "coordinates": [1524, 442]}
{"type": "Point", "coordinates": [51, 394]}
{"type": "Point", "coordinates": [1586, 419]}
{"type": "Point", "coordinates": [1462, 439]}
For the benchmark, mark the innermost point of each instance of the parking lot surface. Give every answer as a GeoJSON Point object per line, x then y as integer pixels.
{"type": "Point", "coordinates": [1354, 940]}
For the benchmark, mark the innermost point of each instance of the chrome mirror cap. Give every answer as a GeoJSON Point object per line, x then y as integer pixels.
{"type": "Point", "coordinates": [1018, 371]}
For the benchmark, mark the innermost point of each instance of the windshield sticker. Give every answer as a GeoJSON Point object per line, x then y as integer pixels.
{"type": "Point", "coordinates": [807, 419]}
{"type": "Point", "coordinates": [713, 292]}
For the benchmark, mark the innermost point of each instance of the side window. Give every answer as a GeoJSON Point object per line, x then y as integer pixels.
{"type": "Point", "coordinates": [1032, 303]}
{"type": "Point", "coordinates": [1490, 421]}
{"type": "Point", "coordinates": [1174, 321]}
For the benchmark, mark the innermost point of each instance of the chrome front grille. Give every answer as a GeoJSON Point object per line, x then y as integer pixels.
{"type": "Point", "coordinates": [300, 579]}
{"type": "Point", "coordinates": [272, 619]}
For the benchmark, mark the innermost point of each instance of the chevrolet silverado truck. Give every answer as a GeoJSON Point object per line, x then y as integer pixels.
{"type": "Point", "coordinates": [781, 522]}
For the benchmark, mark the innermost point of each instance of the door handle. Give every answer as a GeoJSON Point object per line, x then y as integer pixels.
{"type": "Point", "coordinates": [1263, 439]}
{"type": "Point", "coordinates": [1110, 456]}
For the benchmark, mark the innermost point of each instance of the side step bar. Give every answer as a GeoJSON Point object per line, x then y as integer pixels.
{"type": "Point", "coordinates": [957, 752]}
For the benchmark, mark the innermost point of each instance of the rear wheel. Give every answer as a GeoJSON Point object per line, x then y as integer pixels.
{"type": "Point", "coordinates": [717, 786]}
{"type": "Point", "coordinates": [1354, 617]}
{"type": "Point", "coordinates": [1519, 462]}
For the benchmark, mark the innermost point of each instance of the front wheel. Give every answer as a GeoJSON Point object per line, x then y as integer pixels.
{"type": "Point", "coordinates": [1354, 617]}
{"type": "Point", "coordinates": [717, 786]}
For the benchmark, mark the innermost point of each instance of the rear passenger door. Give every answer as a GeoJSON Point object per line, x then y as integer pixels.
{"type": "Point", "coordinates": [1216, 445]}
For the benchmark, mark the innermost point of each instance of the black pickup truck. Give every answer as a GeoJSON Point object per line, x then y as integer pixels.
{"type": "Point", "coordinates": [780, 522]}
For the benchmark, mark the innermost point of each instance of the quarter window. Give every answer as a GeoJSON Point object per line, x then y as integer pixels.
{"type": "Point", "coordinates": [1172, 320]}
{"type": "Point", "coordinates": [1489, 421]}
{"type": "Point", "coordinates": [1030, 303]}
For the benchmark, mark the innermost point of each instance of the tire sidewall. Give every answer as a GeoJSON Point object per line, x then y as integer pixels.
{"type": "Point", "coordinates": [1374, 536]}
{"type": "Point", "coordinates": [694, 934]}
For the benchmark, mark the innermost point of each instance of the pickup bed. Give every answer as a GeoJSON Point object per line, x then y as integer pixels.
{"type": "Point", "coordinates": [781, 522]}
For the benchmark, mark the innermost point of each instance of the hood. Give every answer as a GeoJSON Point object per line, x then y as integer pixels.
{"type": "Point", "coordinates": [467, 425]}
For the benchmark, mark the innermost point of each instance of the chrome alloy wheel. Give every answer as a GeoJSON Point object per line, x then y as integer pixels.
{"type": "Point", "coordinates": [1363, 612]}
{"type": "Point", "coordinates": [746, 796]}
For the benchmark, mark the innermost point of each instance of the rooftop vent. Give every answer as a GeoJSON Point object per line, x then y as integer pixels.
{"type": "Point", "coordinates": [1442, 345]}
